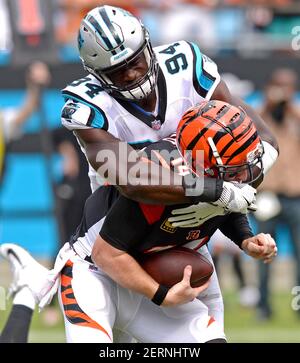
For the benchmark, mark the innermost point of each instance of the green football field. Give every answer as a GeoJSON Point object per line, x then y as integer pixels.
{"type": "Point", "coordinates": [241, 324]}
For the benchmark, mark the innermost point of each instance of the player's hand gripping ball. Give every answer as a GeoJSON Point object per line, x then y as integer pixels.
{"type": "Point", "coordinates": [166, 267]}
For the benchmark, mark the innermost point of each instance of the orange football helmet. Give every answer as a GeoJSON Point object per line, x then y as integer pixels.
{"type": "Point", "coordinates": [232, 149]}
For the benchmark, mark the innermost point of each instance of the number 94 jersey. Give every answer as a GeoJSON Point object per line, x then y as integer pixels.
{"type": "Point", "coordinates": [185, 78]}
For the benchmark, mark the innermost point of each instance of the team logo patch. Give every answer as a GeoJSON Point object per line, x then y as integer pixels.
{"type": "Point", "coordinates": [69, 110]}
{"type": "Point", "coordinates": [167, 227]}
{"type": "Point", "coordinates": [193, 235]}
{"type": "Point", "coordinates": [254, 154]}
{"type": "Point", "coordinates": [156, 124]}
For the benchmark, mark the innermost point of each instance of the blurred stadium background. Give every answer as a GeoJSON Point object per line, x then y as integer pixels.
{"type": "Point", "coordinates": [247, 39]}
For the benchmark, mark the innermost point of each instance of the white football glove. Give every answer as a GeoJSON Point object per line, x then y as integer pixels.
{"type": "Point", "coordinates": [195, 215]}
{"type": "Point", "coordinates": [237, 198]}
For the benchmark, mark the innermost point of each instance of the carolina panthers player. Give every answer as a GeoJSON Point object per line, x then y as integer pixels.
{"type": "Point", "coordinates": [137, 94]}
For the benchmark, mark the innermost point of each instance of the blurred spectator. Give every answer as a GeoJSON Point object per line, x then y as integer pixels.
{"type": "Point", "coordinates": [279, 201]}
{"type": "Point", "coordinates": [5, 35]}
{"type": "Point", "coordinates": [259, 2]}
{"type": "Point", "coordinates": [187, 19]}
{"type": "Point", "coordinates": [71, 193]}
{"type": "Point", "coordinates": [74, 187]}
{"type": "Point", "coordinates": [72, 12]}
{"type": "Point", "coordinates": [11, 119]}
{"type": "Point", "coordinates": [221, 245]}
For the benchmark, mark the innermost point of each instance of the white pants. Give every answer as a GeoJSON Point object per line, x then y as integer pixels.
{"type": "Point", "coordinates": [212, 296]}
{"type": "Point", "coordinates": [93, 305]}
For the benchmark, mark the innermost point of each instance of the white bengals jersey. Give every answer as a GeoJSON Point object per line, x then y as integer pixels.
{"type": "Point", "coordinates": [185, 78]}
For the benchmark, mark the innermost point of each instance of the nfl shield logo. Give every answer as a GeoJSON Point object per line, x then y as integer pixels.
{"type": "Point", "coordinates": [156, 125]}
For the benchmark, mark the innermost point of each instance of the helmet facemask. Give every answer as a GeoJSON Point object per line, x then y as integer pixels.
{"type": "Point", "coordinates": [246, 172]}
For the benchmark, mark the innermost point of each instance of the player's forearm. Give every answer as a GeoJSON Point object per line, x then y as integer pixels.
{"type": "Point", "coordinates": [137, 180]}
{"type": "Point", "coordinates": [237, 228]}
{"type": "Point", "coordinates": [123, 269]}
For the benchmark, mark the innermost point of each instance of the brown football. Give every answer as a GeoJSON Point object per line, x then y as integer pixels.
{"type": "Point", "coordinates": [166, 267]}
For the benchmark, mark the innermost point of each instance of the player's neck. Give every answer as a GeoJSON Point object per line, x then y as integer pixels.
{"type": "Point", "coordinates": [148, 104]}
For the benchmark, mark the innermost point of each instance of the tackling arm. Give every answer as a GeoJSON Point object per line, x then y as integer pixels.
{"type": "Point", "coordinates": [135, 179]}
{"type": "Point", "coordinates": [142, 186]}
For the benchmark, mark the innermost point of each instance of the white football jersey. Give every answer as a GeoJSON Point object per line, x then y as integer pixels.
{"type": "Point", "coordinates": [186, 77]}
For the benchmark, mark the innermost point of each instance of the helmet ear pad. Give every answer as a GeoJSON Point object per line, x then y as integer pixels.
{"type": "Point", "coordinates": [222, 140]}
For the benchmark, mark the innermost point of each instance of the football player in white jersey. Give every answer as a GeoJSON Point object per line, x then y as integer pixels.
{"type": "Point", "coordinates": [137, 94]}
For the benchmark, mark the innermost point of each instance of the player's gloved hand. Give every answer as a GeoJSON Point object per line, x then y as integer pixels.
{"type": "Point", "coordinates": [237, 198]}
{"type": "Point", "coordinates": [195, 215]}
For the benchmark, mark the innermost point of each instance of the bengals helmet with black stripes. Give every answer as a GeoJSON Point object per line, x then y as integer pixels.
{"type": "Point", "coordinates": [232, 149]}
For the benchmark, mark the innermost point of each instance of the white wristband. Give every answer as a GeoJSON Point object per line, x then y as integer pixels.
{"type": "Point", "coordinates": [269, 157]}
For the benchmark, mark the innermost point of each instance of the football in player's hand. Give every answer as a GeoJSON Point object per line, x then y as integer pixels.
{"type": "Point", "coordinates": [166, 267]}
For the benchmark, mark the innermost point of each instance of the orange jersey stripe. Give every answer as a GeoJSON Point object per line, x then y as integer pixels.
{"type": "Point", "coordinates": [73, 312]}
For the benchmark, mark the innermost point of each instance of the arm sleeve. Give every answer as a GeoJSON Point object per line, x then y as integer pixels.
{"type": "Point", "coordinates": [205, 73]}
{"type": "Point", "coordinates": [125, 225]}
{"type": "Point", "coordinates": [237, 228]}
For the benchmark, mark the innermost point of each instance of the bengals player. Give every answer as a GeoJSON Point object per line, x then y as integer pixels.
{"type": "Point", "coordinates": [131, 229]}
